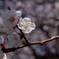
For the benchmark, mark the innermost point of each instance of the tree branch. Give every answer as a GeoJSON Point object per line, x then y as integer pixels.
{"type": "Point", "coordinates": [45, 41]}
{"type": "Point", "coordinates": [31, 43]}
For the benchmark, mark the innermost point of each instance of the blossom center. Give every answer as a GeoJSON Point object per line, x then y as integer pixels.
{"type": "Point", "coordinates": [26, 24]}
{"type": "Point", "coordinates": [12, 19]}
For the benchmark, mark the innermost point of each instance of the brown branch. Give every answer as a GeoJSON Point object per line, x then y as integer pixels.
{"type": "Point", "coordinates": [32, 43]}
{"type": "Point", "coordinates": [45, 41]}
{"type": "Point", "coordinates": [12, 49]}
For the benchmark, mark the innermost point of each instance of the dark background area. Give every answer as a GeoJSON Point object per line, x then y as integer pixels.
{"type": "Point", "coordinates": [45, 14]}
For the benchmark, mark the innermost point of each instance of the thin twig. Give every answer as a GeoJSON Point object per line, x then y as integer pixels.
{"type": "Point", "coordinates": [27, 41]}
{"type": "Point", "coordinates": [44, 41]}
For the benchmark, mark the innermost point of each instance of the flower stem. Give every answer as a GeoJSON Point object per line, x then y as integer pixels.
{"type": "Point", "coordinates": [27, 41]}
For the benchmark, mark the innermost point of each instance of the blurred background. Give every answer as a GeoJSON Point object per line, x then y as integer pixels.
{"type": "Point", "coordinates": [45, 14]}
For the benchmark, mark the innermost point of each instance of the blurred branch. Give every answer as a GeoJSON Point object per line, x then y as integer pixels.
{"type": "Point", "coordinates": [8, 8]}
{"type": "Point", "coordinates": [3, 33]}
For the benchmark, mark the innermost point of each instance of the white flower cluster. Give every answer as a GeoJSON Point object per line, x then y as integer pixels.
{"type": "Point", "coordinates": [14, 39]}
{"type": "Point", "coordinates": [10, 19]}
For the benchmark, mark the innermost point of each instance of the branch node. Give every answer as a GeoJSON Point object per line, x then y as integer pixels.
{"type": "Point", "coordinates": [9, 8]}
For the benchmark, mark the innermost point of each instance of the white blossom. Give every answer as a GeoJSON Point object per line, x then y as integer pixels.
{"type": "Point", "coordinates": [10, 18]}
{"type": "Point", "coordinates": [1, 41]}
{"type": "Point", "coordinates": [4, 57]}
{"type": "Point", "coordinates": [26, 25]}
{"type": "Point", "coordinates": [14, 39]}
{"type": "Point", "coordinates": [18, 13]}
{"type": "Point", "coordinates": [7, 29]}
